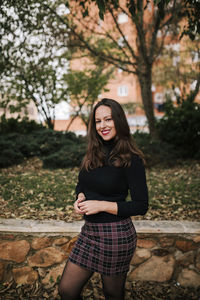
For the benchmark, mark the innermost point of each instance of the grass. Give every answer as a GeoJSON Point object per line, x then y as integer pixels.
{"type": "Point", "coordinates": [29, 191]}
{"type": "Point", "coordinates": [174, 192]}
{"type": "Point", "coordinates": [45, 188]}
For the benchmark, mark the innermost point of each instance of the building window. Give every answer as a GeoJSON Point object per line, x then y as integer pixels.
{"type": "Point", "coordinates": [193, 85]}
{"type": "Point", "coordinates": [158, 102]}
{"type": "Point", "coordinates": [122, 91]}
{"type": "Point", "coordinates": [159, 97]}
{"type": "Point", "coordinates": [176, 60]}
{"type": "Point", "coordinates": [175, 47]}
{"type": "Point", "coordinates": [159, 34]}
{"type": "Point", "coordinates": [121, 41]}
{"type": "Point", "coordinates": [149, 7]}
{"type": "Point", "coordinates": [100, 22]}
{"type": "Point", "coordinates": [195, 56]}
{"type": "Point", "coordinates": [122, 18]}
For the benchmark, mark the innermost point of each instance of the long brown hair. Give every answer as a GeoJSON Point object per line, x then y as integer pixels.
{"type": "Point", "coordinates": [124, 142]}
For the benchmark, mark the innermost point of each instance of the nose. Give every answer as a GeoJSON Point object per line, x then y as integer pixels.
{"type": "Point", "coordinates": [102, 124]}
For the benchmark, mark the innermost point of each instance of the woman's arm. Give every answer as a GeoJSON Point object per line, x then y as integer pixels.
{"type": "Point", "coordinates": [79, 189]}
{"type": "Point", "coordinates": [136, 179]}
{"type": "Point", "coordinates": [94, 206]}
{"type": "Point", "coordinates": [80, 197]}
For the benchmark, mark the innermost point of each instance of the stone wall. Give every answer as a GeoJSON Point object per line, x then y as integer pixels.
{"type": "Point", "coordinates": [36, 251]}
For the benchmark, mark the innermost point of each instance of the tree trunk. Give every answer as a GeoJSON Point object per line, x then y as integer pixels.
{"type": "Point", "coordinates": [71, 121]}
{"type": "Point", "coordinates": [145, 81]}
{"type": "Point", "coordinates": [50, 123]}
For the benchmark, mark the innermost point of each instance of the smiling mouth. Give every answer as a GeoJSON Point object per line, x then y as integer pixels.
{"type": "Point", "coordinates": [105, 132]}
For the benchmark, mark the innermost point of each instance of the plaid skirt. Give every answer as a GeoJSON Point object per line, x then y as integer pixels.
{"type": "Point", "coordinates": [106, 248]}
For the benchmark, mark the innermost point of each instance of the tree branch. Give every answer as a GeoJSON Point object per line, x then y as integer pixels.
{"type": "Point", "coordinates": [122, 34]}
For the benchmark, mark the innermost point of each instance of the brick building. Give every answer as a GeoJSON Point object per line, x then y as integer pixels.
{"type": "Point", "coordinates": [124, 87]}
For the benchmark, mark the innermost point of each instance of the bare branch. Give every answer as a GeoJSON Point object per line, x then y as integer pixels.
{"type": "Point", "coordinates": [122, 34]}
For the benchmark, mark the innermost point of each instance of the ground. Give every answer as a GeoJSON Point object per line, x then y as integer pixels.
{"type": "Point", "coordinates": [30, 192]}
{"type": "Point", "coordinates": [93, 291]}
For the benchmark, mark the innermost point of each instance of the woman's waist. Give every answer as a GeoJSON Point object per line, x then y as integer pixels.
{"type": "Point", "coordinates": [103, 217]}
{"type": "Point", "coordinates": [117, 228]}
{"type": "Point", "coordinates": [102, 197]}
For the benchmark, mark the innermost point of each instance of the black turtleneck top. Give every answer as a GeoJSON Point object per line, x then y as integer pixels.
{"type": "Point", "coordinates": [109, 183]}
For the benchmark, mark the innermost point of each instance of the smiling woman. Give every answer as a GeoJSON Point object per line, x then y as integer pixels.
{"type": "Point", "coordinates": [105, 125]}
{"type": "Point", "coordinates": [112, 166]}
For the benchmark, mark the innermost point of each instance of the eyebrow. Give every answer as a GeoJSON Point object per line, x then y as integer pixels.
{"type": "Point", "coordinates": [108, 116]}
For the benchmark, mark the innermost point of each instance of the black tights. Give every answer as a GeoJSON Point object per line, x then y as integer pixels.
{"type": "Point", "coordinates": [75, 277]}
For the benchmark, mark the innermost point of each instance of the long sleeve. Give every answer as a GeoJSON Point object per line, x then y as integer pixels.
{"type": "Point", "coordinates": [79, 189]}
{"type": "Point", "coordinates": [136, 179]}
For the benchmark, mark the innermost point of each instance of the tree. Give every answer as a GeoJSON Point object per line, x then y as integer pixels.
{"type": "Point", "coordinates": [84, 87]}
{"type": "Point", "coordinates": [33, 60]}
{"type": "Point", "coordinates": [191, 7]}
{"type": "Point", "coordinates": [178, 70]}
{"type": "Point", "coordinates": [137, 56]}
{"type": "Point", "coordinates": [150, 26]}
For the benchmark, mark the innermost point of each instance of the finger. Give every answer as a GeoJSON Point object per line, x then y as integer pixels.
{"type": "Point", "coordinates": [81, 204]}
{"type": "Point", "coordinates": [77, 209]}
{"type": "Point", "coordinates": [79, 200]}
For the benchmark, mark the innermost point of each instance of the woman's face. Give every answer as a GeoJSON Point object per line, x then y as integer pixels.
{"type": "Point", "coordinates": [105, 126]}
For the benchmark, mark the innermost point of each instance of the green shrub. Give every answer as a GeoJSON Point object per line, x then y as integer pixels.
{"type": "Point", "coordinates": [51, 141]}
{"type": "Point", "coordinates": [23, 126]}
{"type": "Point", "coordinates": [10, 153]}
{"type": "Point", "coordinates": [28, 146]}
{"type": "Point", "coordinates": [180, 127]}
{"type": "Point", "coordinates": [56, 149]}
{"type": "Point", "coordinates": [68, 156]}
{"type": "Point", "coordinates": [155, 151]}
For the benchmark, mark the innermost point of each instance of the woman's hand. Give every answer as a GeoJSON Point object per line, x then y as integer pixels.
{"type": "Point", "coordinates": [81, 197]}
{"type": "Point", "coordinates": [91, 207]}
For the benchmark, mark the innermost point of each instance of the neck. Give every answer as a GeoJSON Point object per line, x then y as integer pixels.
{"type": "Point", "coordinates": [109, 145]}
{"type": "Point", "coordinates": [109, 142]}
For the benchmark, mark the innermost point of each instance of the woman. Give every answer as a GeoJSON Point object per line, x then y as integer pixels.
{"type": "Point", "coordinates": [112, 166]}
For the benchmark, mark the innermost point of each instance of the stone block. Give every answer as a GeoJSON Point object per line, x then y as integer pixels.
{"type": "Point", "coordinates": [41, 242]}
{"type": "Point", "coordinates": [53, 275]}
{"type": "Point", "coordinates": [156, 268]}
{"type": "Point", "coordinates": [25, 275]}
{"type": "Point", "coordinates": [189, 278]}
{"type": "Point", "coordinates": [198, 260]}
{"type": "Point", "coordinates": [14, 250]}
{"type": "Point", "coordinates": [2, 270]}
{"type": "Point", "coordinates": [160, 252]}
{"type": "Point", "coordinates": [60, 241]}
{"type": "Point", "coordinates": [186, 259]}
{"type": "Point", "coordinates": [185, 245]}
{"type": "Point", "coordinates": [42, 272]}
{"type": "Point", "coordinates": [71, 243]}
{"type": "Point", "coordinates": [140, 256]}
{"type": "Point", "coordinates": [46, 257]}
{"type": "Point", "coordinates": [196, 239]}
{"type": "Point", "coordinates": [65, 248]}
{"type": "Point", "coordinates": [166, 242]}
{"type": "Point", "coordinates": [146, 243]}
{"type": "Point", "coordinates": [7, 237]}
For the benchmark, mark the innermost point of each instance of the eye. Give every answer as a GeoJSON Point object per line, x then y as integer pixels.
{"type": "Point", "coordinates": [109, 119]}
{"type": "Point", "coordinates": [97, 121]}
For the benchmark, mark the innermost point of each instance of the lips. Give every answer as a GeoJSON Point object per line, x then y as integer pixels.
{"type": "Point", "coordinates": [105, 132]}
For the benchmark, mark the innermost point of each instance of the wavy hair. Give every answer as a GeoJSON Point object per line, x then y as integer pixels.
{"type": "Point", "coordinates": [124, 145]}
